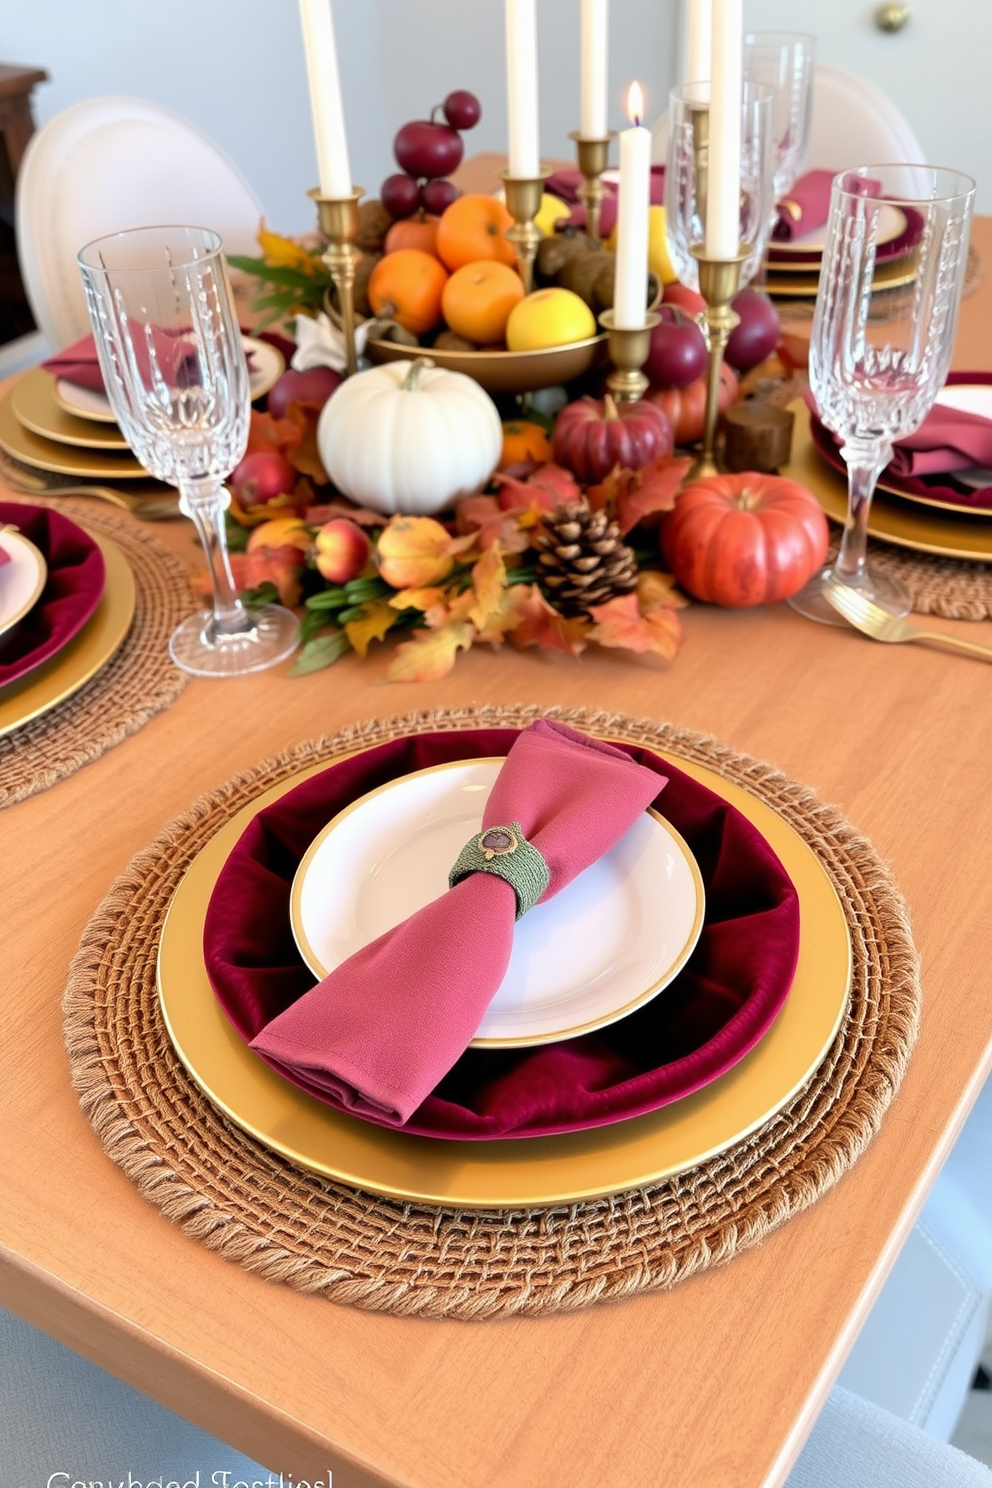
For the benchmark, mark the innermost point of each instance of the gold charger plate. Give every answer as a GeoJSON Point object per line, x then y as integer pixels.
{"type": "Point", "coordinates": [896, 521]}
{"type": "Point", "coordinates": [64, 459]}
{"type": "Point", "coordinates": [527, 1173]}
{"type": "Point", "coordinates": [37, 409]}
{"type": "Point", "coordinates": [897, 275]}
{"type": "Point", "coordinates": [82, 657]}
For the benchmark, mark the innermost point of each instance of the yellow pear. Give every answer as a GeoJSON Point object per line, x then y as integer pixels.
{"type": "Point", "coordinates": [659, 261]}
{"type": "Point", "coordinates": [553, 209]}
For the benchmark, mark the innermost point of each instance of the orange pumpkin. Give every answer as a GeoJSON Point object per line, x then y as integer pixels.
{"type": "Point", "coordinates": [408, 285]}
{"type": "Point", "coordinates": [413, 232]}
{"type": "Point", "coordinates": [743, 540]}
{"type": "Point", "coordinates": [524, 441]}
{"type": "Point", "coordinates": [478, 298]}
{"type": "Point", "coordinates": [472, 228]}
{"type": "Point", "coordinates": [686, 407]}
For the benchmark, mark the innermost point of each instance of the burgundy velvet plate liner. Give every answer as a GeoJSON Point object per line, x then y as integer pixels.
{"type": "Point", "coordinates": [718, 1007]}
{"type": "Point", "coordinates": [72, 591]}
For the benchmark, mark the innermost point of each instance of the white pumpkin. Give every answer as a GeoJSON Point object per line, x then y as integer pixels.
{"type": "Point", "coordinates": [409, 437]}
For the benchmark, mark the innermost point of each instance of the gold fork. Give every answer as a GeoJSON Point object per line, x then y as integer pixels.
{"type": "Point", "coordinates": [865, 615]}
{"type": "Point", "coordinates": [28, 481]}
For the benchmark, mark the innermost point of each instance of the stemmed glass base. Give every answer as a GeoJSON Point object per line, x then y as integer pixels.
{"type": "Point", "coordinates": [198, 647]}
{"type": "Point", "coordinates": [888, 593]}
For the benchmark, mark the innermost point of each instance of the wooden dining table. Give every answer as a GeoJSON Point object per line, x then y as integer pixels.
{"type": "Point", "coordinates": [714, 1383]}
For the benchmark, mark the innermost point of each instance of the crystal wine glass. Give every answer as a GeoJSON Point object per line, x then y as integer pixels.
{"type": "Point", "coordinates": [783, 62]}
{"type": "Point", "coordinates": [686, 174]}
{"type": "Point", "coordinates": [174, 367]}
{"type": "Point", "coordinates": [882, 338]}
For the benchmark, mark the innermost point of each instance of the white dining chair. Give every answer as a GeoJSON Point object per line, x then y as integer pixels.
{"type": "Point", "coordinates": [853, 123]}
{"type": "Point", "coordinates": [109, 164]}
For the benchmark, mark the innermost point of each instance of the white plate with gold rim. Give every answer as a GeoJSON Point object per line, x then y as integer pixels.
{"type": "Point", "coordinates": [267, 366]}
{"type": "Point", "coordinates": [21, 579]}
{"type": "Point", "coordinates": [607, 944]}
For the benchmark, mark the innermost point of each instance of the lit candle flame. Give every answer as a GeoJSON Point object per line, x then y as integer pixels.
{"type": "Point", "coordinates": [635, 104]}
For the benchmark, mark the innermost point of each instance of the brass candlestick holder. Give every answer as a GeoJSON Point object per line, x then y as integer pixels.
{"type": "Point", "coordinates": [339, 222]}
{"type": "Point", "coordinates": [700, 116]}
{"type": "Point", "coordinates": [523, 202]}
{"type": "Point", "coordinates": [628, 350]}
{"type": "Point", "coordinates": [719, 281]}
{"type": "Point", "coordinates": [592, 156]}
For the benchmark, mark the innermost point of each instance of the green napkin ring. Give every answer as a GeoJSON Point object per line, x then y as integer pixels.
{"type": "Point", "coordinates": [506, 852]}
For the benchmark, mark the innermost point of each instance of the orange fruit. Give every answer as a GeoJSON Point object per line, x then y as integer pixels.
{"type": "Point", "coordinates": [472, 228]}
{"type": "Point", "coordinates": [413, 232]}
{"type": "Point", "coordinates": [478, 298]}
{"type": "Point", "coordinates": [407, 285]}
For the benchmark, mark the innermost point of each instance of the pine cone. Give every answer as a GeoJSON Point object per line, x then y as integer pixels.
{"type": "Point", "coordinates": [583, 559]}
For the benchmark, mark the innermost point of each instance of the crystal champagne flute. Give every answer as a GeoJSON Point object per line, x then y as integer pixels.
{"type": "Point", "coordinates": [174, 366]}
{"type": "Point", "coordinates": [783, 61]}
{"type": "Point", "coordinates": [882, 339]}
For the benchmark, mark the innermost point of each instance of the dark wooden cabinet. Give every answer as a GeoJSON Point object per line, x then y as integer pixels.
{"type": "Point", "coordinates": [16, 127]}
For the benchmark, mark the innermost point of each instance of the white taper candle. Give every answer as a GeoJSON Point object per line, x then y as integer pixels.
{"type": "Point", "coordinates": [699, 44]}
{"type": "Point", "coordinates": [325, 98]}
{"type": "Point", "coordinates": [630, 286]}
{"type": "Point", "coordinates": [724, 184]}
{"type": "Point", "coordinates": [521, 88]}
{"type": "Point", "coordinates": [595, 41]}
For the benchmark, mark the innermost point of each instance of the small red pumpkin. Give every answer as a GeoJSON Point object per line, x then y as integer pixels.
{"type": "Point", "coordinates": [685, 407]}
{"type": "Point", "coordinates": [591, 437]}
{"type": "Point", "coordinates": [742, 540]}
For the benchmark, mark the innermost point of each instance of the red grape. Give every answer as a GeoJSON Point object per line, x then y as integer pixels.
{"type": "Point", "coordinates": [436, 196]}
{"type": "Point", "coordinates": [757, 334]}
{"type": "Point", "coordinates": [400, 196]}
{"type": "Point", "coordinates": [678, 351]}
{"type": "Point", "coordinates": [462, 110]}
{"type": "Point", "coordinates": [426, 149]}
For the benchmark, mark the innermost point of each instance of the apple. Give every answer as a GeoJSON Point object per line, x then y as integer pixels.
{"type": "Point", "coordinates": [262, 476]}
{"type": "Point", "coordinates": [436, 196]}
{"type": "Point", "coordinates": [757, 334]}
{"type": "Point", "coordinates": [461, 109]}
{"type": "Point", "coordinates": [400, 195]}
{"type": "Point", "coordinates": [424, 148]}
{"type": "Point", "coordinates": [342, 550]}
{"type": "Point", "coordinates": [315, 387]}
{"type": "Point", "coordinates": [678, 294]}
{"type": "Point", "coordinates": [677, 355]}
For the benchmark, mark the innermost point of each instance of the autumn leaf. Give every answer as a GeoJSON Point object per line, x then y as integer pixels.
{"type": "Point", "coordinates": [540, 624]}
{"type": "Point", "coordinates": [483, 516]}
{"type": "Point", "coordinates": [371, 626]}
{"type": "Point", "coordinates": [431, 654]}
{"type": "Point", "coordinates": [319, 652]}
{"type": "Point", "coordinates": [285, 253]}
{"type": "Point", "coordinates": [416, 599]}
{"type": "Point", "coordinates": [619, 622]}
{"type": "Point", "coordinates": [265, 432]}
{"type": "Point", "coordinates": [546, 487]}
{"type": "Point", "coordinates": [317, 516]}
{"type": "Point", "coordinates": [657, 590]}
{"type": "Point", "coordinates": [652, 490]}
{"type": "Point", "coordinates": [488, 583]}
{"type": "Point", "coordinates": [557, 482]}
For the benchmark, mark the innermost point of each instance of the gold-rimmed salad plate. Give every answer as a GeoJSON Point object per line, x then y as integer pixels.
{"type": "Point", "coordinates": [22, 577]}
{"type": "Point", "coordinates": [509, 1174]}
{"type": "Point", "coordinates": [81, 658]}
{"type": "Point", "coordinates": [608, 943]}
{"type": "Point", "coordinates": [37, 409]}
{"type": "Point", "coordinates": [64, 459]}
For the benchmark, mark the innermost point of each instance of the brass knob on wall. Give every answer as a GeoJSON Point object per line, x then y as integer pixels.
{"type": "Point", "coordinates": [891, 17]}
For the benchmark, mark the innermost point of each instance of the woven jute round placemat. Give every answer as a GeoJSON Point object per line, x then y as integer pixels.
{"type": "Point", "coordinates": [951, 587]}
{"type": "Point", "coordinates": [233, 1194]}
{"type": "Point", "coordinates": [136, 684]}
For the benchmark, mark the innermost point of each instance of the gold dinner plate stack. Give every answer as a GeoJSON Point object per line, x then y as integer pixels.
{"type": "Point", "coordinates": [50, 424]}
{"type": "Point", "coordinates": [533, 1171]}
{"type": "Point", "coordinates": [792, 270]}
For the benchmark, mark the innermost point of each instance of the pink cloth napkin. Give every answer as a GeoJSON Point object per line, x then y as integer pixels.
{"type": "Point", "coordinates": [381, 1030]}
{"type": "Point", "coordinates": [80, 365]}
{"type": "Point", "coordinates": [807, 206]}
{"type": "Point", "coordinates": [948, 439]}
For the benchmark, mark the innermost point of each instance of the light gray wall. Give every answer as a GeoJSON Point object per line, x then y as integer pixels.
{"type": "Point", "coordinates": [235, 68]}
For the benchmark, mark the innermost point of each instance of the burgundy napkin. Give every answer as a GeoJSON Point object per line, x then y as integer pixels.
{"type": "Point", "coordinates": [79, 363]}
{"type": "Point", "coordinates": [948, 440]}
{"type": "Point", "coordinates": [716, 1009]}
{"type": "Point", "coordinates": [565, 185]}
{"type": "Point", "coordinates": [382, 1029]}
{"type": "Point", "coordinates": [4, 557]}
{"type": "Point", "coordinates": [72, 588]}
{"type": "Point", "coordinates": [806, 207]}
